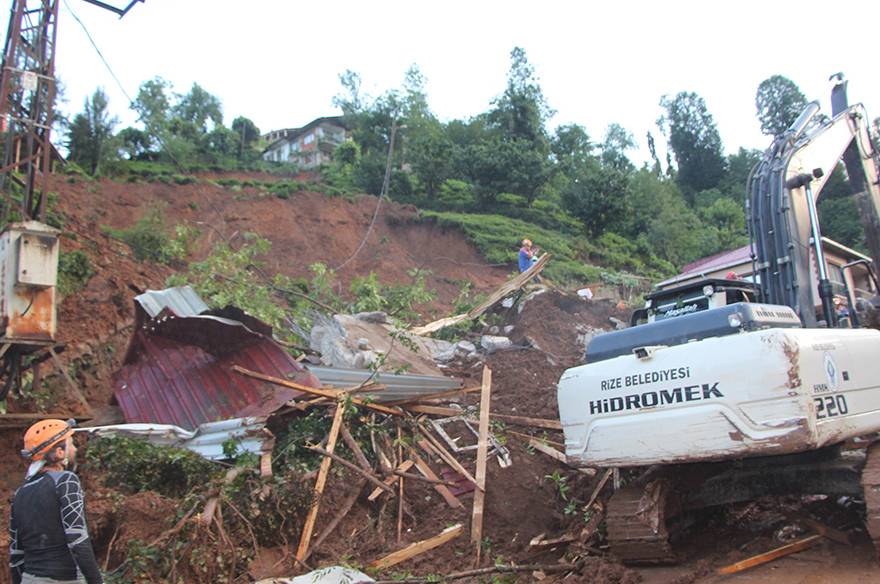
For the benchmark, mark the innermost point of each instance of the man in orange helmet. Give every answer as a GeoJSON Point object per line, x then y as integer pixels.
{"type": "Point", "coordinates": [49, 542]}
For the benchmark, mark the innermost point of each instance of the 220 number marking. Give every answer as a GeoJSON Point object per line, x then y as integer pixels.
{"type": "Point", "coordinates": [829, 406]}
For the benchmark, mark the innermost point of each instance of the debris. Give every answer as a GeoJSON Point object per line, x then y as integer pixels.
{"type": "Point", "coordinates": [398, 387]}
{"type": "Point", "coordinates": [464, 348]}
{"type": "Point", "coordinates": [538, 542]}
{"type": "Point", "coordinates": [343, 511]}
{"type": "Point", "coordinates": [444, 491]}
{"type": "Point", "coordinates": [430, 443]}
{"type": "Point", "coordinates": [542, 447]}
{"type": "Point", "coordinates": [367, 475]}
{"type": "Point", "coordinates": [355, 449]}
{"type": "Point", "coordinates": [822, 529]}
{"type": "Point", "coordinates": [329, 575]}
{"type": "Point", "coordinates": [306, 537]}
{"type": "Point", "coordinates": [497, 449]}
{"type": "Point", "coordinates": [402, 467]}
{"type": "Point", "coordinates": [498, 295]}
{"type": "Point", "coordinates": [376, 317]}
{"type": "Point", "coordinates": [313, 391]}
{"type": "Point", "coordinates": [482, 454]}
{"type": "Point", "coordinates": [779, 552]}
{"type": "Point", "coordinates": [608, 474]}
{"type": "Point", "coordinates": [519, 420]}
{"type": "Point", "coordinates": [496, 569]}
{"type": "Point", "coordinates": [417, 548]}
{"type": "Point", "coordinates": [528, 437]}
{"type": "Point", "coordinates": [434, 396]}
{"type": "Point", "coordinates": [618, 324]}
{"type": "Point", "coordinates": [494, 343]}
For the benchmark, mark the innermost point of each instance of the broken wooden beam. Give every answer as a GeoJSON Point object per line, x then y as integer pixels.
{"type": "Point", "coordinates": [444, 491]}
{"type": "Point", "coordinates": [418, 548]}
{"type": "Point", "coordinates": [779, 552]}
{"type": "Point", "coordinates": [433, 396]}
{"type": "Point", "coordinates": [403, 466]}
{"type": "Point", "coordinates": [429, 442]}
{"type": "Point", "coordinates": [602, 482]}
{"type": "Point", "coordinates": [333, 395]}
{"type": "Point", "coordinates": [482, 455]}
{"type": "Point", "coordinates": [538, 542]}
{"type": "Point", "coordinates": [517, 420]}
{"type": "Point", "coordinates": [306, 537]}
{"type": "Point", "coordinates": [355, 449]}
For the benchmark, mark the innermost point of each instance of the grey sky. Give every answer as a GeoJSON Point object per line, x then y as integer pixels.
{"type": "Point", "coordinates": [278, 62]}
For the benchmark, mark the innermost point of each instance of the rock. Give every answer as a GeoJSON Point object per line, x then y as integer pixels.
{"type": "Point", "coordinates": [364, 359]}
{"type": "Point", "coordinates": [436, 349]}
{"type": "Point", "coordinates": [508, 329]}
{"type": "Point", "coordinates": [618, 324]}
{"type": "Point", "coordinates": [494, 330]}
{"type": "Point", "coordinates": [507, 302]}
{"type": "Point", "coordinates": [522, 304]}
{"type": "Point", "coordinates": [328, 337]}
{"type": "Point", "coordinates": [492, 343]}
{"type": "Point", "coordinates": [464, 348]}
{"type": "Point", "coordinates": [585, 293]}
{"type": "Point", "coordinates": [363, 344]}
{"type": "Point", "coordinates": [376, 317]}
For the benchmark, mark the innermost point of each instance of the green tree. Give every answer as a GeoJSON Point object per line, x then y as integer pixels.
{"type": "Point", "coordinates": [90, 133]}
{"type": "Point", "coordinates": [248, 134]}
{"type": "Point", "coordinates": [779, 102]}
{"type": "Point", "coordinates": [618, 140]}
{"type": "Point", "coordinates": [695, 141]}
{"type": "Point", "coordinates": [135, 143]}
{"type": "Point", "coordinates": [521, 111]}
{"type": "Point", "coordinates": [599, 198]}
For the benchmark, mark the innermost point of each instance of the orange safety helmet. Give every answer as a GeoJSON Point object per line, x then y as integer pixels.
{"type": "Point", "coordinates": [42, 436]}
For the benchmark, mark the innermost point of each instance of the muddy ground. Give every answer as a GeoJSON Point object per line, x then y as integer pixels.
{"type": "Point", "coordinates": [522, 501]}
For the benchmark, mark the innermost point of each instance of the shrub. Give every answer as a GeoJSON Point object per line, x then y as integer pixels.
{"type": "Point", "coordinates": [74, 271]}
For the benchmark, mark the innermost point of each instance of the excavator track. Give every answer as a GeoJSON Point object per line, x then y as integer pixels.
{"type": "Point", "coordinates": [871, 491]}
{"type": "Point", "coordinates": [637, 521]}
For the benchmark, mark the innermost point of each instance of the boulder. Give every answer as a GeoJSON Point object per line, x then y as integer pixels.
{"type": "Point", "coordinates": [492, 343]}
{"type": "Point", "coordinates": [375, 317]}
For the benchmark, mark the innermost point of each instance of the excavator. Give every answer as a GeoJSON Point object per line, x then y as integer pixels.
{"type": "Point", "coordinates": [749, 398]}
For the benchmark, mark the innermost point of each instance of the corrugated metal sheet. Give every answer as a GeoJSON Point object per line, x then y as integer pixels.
{"type": "Point", "coordinates": [178, 370]}
{"type": "Point", "coordinates": [182, 301]}
{"type": "Point", "coordinates": [398, 386]}
{"type": "Point", "coordinates": [207, 439]}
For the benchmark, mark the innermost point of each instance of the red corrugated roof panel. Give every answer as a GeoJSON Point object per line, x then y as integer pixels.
{"type": "Point", "coordinates": [179, 371]}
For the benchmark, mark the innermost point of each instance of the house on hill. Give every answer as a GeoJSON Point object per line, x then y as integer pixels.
{"type": "Point", "coordinates": [308, 146]}
{"type": "Point", "coordinates": [739, 261]}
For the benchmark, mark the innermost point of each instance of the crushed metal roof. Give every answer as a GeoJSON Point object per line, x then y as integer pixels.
{"type": "Point", "coordinates": [178, 368]}
{"type": "Point", "coordinates": [207, 439]}
{"type": "Point", "coordinates": [397, 386]}
{"type": "Point", "coordinates": [182, 301]}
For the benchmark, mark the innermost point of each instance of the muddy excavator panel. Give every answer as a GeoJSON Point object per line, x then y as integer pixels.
{"type": "Point", "coordinates": [765, 392]}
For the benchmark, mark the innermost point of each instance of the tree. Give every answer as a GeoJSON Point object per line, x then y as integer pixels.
{"type": "Point", "coordinates": [197, 108]}
{"type": "Point", "coordinates": [617, 141]}
{"type": "Point", "coordinates": [153, 105]}
{"type": "Point", "coordinates": [521, 111]}
{"type": "Point", "coordinates": [135, 143]}
{"type": "Point", "coordinates": [248, 133]}
{"type": "Point", "coordinates": [507, 167]}
{"type": "Point", "coordinates": [695, 141]}
{"type": "Point", "coordinates": [599, 198]}
{"type": "Point", "coordinates": [90, 133]}
{"type": "Point", "coordinates": [779, 102]}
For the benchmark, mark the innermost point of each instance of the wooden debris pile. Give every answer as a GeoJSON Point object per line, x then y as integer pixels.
{"type": "Point", "coordinates": [419, 444]}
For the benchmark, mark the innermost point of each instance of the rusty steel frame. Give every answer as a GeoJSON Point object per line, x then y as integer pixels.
{"type": "Point", "coordinates": [28, 114]}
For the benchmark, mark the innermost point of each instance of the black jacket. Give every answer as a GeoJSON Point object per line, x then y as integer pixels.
{"type": "Point", "coordinates": [47, 529]}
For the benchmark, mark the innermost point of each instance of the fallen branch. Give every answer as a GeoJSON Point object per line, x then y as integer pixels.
{"type": "Point", "coordinates": [355, 449]}
{"type": "Point", "coordinates": [497, 569]}
{"type": "Point", "coordinates": [390, 481]}
{"type": "Point", "coordinates": [409, 475]}
{"type": "Point", "coordinates": [370, 477]}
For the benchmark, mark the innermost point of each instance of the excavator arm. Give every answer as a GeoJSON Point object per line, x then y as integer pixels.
{"type": "Point", "coordinates": [788, 181]}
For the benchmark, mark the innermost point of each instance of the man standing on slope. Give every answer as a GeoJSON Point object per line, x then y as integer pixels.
{"type": "Point", "coordinates": [49, 542]}
{"type": "Point", "coordinates": [527, 255]}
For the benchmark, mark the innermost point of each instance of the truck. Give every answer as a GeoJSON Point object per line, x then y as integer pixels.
{"type": "Point", "coordinates": [712, 399]}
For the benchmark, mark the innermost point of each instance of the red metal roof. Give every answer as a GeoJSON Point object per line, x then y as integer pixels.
{"type": "Point", "coordinates": [178, 370]}
{"type": "Point", "coordinates": [719, 260]}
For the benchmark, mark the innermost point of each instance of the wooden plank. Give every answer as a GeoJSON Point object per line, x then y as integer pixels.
{"type": "Point", "coordinates": [447, 457]}
{"type": "Point", "coordinates": [779, 552]}
{"type": "Point", "coordinates": [540, 446]}
{"type": "Point", "coordinates": [482, 455]}
{"type": "Point", "coordinates": [402, 467]}
{"type": "Point", "coordinates": [367, 475]}
{"type": "Point", "coordinates": [309, 525]}
{"type": "Point", "coordinates": [599, 488]}
{"type": "Point", "coordinates": [528, 437]}
{"type": "Point", "coordinates": [311, 390]}
{"type": "Point", "coordinates": [497, 296]}
{"type": "Point", "coordinates": [820, 528]}
{"type": "Point", "coordinates": [400, 484]}
{"type": "Point", "coordinates": [418, 548]}
{"type": "Point", "coordinates": [432, 396]}
{"type": "Point", "coordinates": [538, 542]}
{"type": "Point", "coordinates": [444, 491]}
{"type": "Point", "coordinates": [518, 420]}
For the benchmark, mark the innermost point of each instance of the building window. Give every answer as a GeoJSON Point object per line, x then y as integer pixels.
{"type": "Point", "coordinates": [309, 138]}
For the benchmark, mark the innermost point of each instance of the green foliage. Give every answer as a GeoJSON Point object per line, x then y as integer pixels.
{"type": "Point", "coordinates": [398, 300]}
{"type": "Point", "coordinates": [695, 141]}
{"type": "Point", "coordinates": [779, 102]}
{"type": "Point", "coordinates": [74, 271]}
{"type": "Point", "coordinates": [456, 195]}
{"type": "Point", "coordinates": [90, 134]}
{"type": "Point", "coordinates": [136, 465]}
{"type": "Point", "coordinates": [149, 240]}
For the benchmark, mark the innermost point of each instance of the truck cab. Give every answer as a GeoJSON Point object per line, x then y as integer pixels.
{"type": "Point", "coordinates": [693, 297]}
